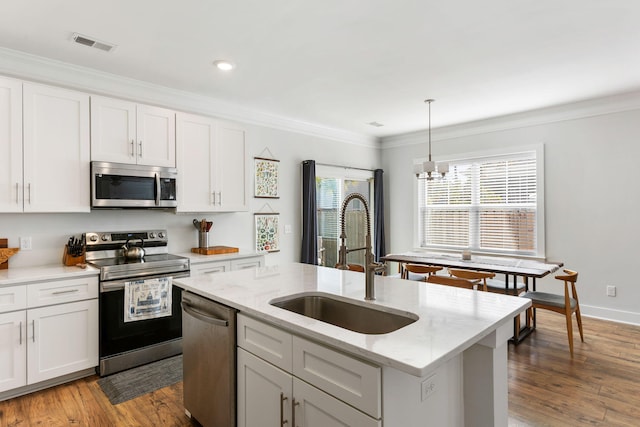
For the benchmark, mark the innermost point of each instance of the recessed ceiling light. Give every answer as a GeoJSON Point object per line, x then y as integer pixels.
{"type": "Point", "coordinates": [224, 65]}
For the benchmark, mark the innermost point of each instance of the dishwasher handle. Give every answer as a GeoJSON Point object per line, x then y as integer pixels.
{"type": "Point", "coordinates": [205, 317]}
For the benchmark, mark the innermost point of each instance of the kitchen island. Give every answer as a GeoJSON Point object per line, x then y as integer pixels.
{"type": "Point", "coordinates": [447, 368]}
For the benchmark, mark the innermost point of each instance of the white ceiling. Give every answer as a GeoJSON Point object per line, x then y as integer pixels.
{"type": "Point", "coordinates": [345, 63]}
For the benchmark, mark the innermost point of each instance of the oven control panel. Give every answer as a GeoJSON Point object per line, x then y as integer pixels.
{"type": "Point", "coordinates": [150, 238]}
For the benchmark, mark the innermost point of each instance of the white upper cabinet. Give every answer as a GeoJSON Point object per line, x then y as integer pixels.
{"type": "Point", "coordinates": [211, 165]}
{"type": "Point", "coordinates": [55, 150]}
{"type": "Point", "coordinates": [126, 132]}
{"type": "Point", "coordinates": [10, 145]}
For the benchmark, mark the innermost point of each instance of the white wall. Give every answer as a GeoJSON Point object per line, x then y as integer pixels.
{"type": "Point", "coordinates": [50, 232]}
{"type": "Point", "coordinates": [290, 142]}
{"type": "Point", "coordinates": [592, 196]}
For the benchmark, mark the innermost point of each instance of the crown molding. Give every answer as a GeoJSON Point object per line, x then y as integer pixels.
{"type": "Point", "coordinates": [571, 111]}
{"type": "Point", "coordinates": [26, 66]}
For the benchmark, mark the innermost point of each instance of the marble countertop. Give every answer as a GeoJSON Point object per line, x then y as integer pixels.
{"type": "Point", "coordinates": [450, 319]}
{"type": "Point", "coordinates": [22, 275]}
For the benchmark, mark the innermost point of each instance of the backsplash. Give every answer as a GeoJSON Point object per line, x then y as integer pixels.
{"type": "Point", "coordinates": [50, 232]}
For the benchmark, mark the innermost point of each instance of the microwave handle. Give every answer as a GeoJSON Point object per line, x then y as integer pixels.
{"type": "Point", "coordinates": [157, 190]}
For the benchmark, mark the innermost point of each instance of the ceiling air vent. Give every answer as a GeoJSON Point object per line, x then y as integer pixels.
{"type": "Point", "coordinates": [88, 41]}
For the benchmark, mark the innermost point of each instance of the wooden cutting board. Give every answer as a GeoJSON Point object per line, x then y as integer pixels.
{"type": "Point", "coordinates": [4, 243]}
{"type": "Point", "coordinates": [215, 250]}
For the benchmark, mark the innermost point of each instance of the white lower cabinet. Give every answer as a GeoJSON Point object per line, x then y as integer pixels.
{"type": "Point", "coordinates": [62, 339]}
{"type": "Point", "coordinates": [273, 393]}
{"type": "Point", "coordinates": [13, 350]}
{"type": "Point", "coordinates": [47, 330]}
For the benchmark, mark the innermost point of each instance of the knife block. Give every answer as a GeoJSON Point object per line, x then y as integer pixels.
{"type": "Point", "coordinates": [70, 260]}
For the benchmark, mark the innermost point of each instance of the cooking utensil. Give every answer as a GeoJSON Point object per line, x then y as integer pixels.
{"type": "Point", "coordinates": [209, 224]}
{"type": "Point", "coordinates": [133, 252]}
{"type": "Point", "coordinates": [196, 224]}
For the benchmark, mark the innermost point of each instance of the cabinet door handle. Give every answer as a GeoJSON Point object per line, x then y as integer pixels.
{"type": "Point", "coordinates": [293, 412]}
{"type": "Point", "coordinates": [33, 329]}
{"type": "Point", "coordinates": [21, 332]}
{"type": "Point", "coordinates": [283, 398]}
{"type": "Point", "coordinates": [17, 201]}
{"type": "Point", "coordinates": [220, 198]}
{"type": "Point", "coordinates": [70, 291]}
{"type": "Point", "coordinates": [29, 191]}
{"type": "Point", "coordinates": [132, 143]}
{"type": "Point", "coordinates": [140, 149]}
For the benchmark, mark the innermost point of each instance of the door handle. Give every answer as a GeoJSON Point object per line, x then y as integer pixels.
{"type": "Point", "coordinates": [283, 398]}
{"type": "Point", "coordinates": [140, 149]}
{"type": "Point", "coordinates": [33, 329]}
{"type": "Point", "coordinates": [21, 332]}
{"type": "Point", "coordinates": [29, 191]}
{"type": "Point", "coordinates": [17, 201]}
{"type": "Point", "coordinates": [205, 317]}
{"type": "Point", "coordinates": [132, 143]}
{"type": "Point", "coordinates": [293, 412]}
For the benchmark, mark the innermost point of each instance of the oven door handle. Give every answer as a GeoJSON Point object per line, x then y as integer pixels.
{"type": "Point", "coordinates": [205, 317]}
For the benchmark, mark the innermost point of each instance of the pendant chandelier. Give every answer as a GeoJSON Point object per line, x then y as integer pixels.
{"type": "Point", "coordinates": [428, 169]}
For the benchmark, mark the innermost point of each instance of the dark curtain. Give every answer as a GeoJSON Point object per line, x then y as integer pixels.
{"type": "Point", "coordinates": [309, 253]}
{"type": "Point", "coordinates": [379, 249]}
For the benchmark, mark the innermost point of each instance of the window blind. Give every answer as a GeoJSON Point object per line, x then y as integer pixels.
{"type": "Point", "coordinates": [486, 204]}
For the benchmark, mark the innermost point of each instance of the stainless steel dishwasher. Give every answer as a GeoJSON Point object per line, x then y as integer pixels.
{"type": "Point", "coordinates": [209, 361]}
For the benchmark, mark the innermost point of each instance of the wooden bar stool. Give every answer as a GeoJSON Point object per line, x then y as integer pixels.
{"type": "Point", "coordinates": [418, 271]}
{"type": "Point", "coordinates": [566, 304]}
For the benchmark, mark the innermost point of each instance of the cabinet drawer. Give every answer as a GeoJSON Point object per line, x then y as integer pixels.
{"type": "Point", "coordinates": [13, 298]}
{"type": "Point", "coordinates": [56, 292]}
{"type": "Point", "coordinates": [266, 342]}
{"type": "Point", "coordinates": [210, 268]}
{"type": "Point", "coordinates": [241, 264]}
{"type": "Point", "coordinates": [351, 380]}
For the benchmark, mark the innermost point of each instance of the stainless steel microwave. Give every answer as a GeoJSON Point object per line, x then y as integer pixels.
{"type": "Point", "coordinates": [120, 185]}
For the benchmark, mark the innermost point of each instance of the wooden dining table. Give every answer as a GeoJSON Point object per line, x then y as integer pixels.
{"type": "Point", "coordinates": [511, 267]}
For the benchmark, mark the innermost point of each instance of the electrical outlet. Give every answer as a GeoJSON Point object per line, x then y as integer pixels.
{"type": "Point", "coordinates": [287, 229]}
{"type": "Point", "coordinates": [611, 291]}
{"type": "Point", "coordinates": [428, 387]}
{"type": "Point", "coordinates": [25, 243]}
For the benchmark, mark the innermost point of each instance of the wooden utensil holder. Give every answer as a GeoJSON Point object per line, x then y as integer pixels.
{"type": "Point", "coordinates": [70, 260]}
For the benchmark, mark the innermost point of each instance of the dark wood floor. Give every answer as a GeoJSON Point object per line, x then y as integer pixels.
{"type": "Point", "coordinates": [600, 386]}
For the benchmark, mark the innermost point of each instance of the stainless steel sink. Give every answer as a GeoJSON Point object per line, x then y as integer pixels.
{"type": "Point", "coordinates": [346, 314]}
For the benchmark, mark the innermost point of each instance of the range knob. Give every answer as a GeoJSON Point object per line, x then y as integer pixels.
{"type": "Point", "coordinates": [104, 237]}
{"type": "Point", "coordinates": [93, 238]}
{"type": "Point", "coordinates": [161, 235]}
{"type": "Point", "coordinates": [152, 235]}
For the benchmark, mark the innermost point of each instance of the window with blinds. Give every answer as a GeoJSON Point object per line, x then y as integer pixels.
{"type": "Point", "coordinates": [489, 204]}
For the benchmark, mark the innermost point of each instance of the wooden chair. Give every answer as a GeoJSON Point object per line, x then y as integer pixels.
{"type": "Point", "coordinates": [566, 304]}
{"type": "Point", "coordinates": [418, 269]}
{"type": "Point", "coordinates": [453, 281]}
{"type": "Point", "coordinates": [473, 275]}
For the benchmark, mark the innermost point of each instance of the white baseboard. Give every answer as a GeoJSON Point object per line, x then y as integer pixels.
{"type": "Point", "coordinates": [620, 316]}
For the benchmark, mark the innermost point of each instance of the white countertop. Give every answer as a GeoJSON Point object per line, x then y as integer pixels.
{"type": "Point", "coordinates": [451, 319]}
{"type": "Point", "coordinates": [21, 275]}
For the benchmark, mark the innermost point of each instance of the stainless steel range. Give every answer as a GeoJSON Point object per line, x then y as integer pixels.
{"type": "Point", "coordinates": [136, 270]}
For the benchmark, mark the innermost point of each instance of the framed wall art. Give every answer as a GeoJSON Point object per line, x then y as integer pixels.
{"type": "Point", "coordinates": [267, 177]}
{"type": "Point", "coordinates": [267, 232]}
